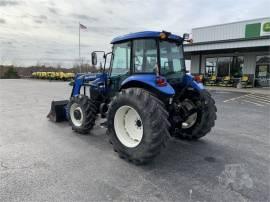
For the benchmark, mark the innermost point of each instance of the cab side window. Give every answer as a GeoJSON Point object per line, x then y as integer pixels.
{"type": "Point", "coordinates": [121, 59]}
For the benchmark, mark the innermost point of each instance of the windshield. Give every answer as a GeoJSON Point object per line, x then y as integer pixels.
{"type": "Point", "coordinates": [171, 59]}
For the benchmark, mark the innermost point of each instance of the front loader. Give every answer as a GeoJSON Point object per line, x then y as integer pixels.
{"type": "Point", "coordinates": [146, 97]}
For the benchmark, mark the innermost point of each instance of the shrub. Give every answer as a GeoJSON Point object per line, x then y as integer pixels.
{"type": "Point", "coordinates": [11, 73]}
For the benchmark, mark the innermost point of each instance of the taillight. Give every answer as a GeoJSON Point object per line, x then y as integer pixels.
{"type": "Point", "coordinates": [161, 81]}
{"type": "Point", "coordinates": [198, 78]}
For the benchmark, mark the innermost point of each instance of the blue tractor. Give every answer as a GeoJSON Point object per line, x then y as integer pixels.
{"type": "Point", "coordinates": [146, 96]}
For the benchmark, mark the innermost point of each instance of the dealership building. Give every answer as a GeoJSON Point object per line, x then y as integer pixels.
{"type": "Point", "coordinates": [234, 49]}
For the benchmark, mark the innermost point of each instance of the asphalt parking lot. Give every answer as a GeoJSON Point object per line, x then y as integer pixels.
{"type": "Point", "coordinates": [43, 161]}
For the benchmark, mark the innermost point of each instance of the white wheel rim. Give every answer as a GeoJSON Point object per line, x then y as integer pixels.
{"type": "Point", "coordinates": [128, 126]}
{"type": "Point", "coordinates": [77, 122]}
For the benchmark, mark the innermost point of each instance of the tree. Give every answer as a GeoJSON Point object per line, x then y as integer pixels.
{"type": "Point", "coordinates": [11, 73]}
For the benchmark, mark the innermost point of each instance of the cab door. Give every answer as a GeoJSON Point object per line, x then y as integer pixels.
{"type": "Point", "coordinates": [120, 65]}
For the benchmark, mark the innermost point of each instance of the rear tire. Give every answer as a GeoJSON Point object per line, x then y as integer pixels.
{"type": "Point", "coordinates": [82, 113]}
{"type": "Point", "coordinates": [135, 113]}
{"type": "Point", "coordinates": [205, 118]}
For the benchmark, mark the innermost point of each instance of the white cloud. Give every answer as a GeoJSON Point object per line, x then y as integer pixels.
{"type": "Point", "coordinates": [46, 31]}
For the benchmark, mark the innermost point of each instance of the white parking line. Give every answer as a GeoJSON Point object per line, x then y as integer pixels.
{"type": "Point", "coordinates": [260, 101]}
{"type": "Point", "coordinates": [257, 104]}
{"type": "Point", "coordinates": [258, 98]}
{"type": "Point", "coordinates": [232, 99]}
{"type": "Point", "coordinates": [261, 95]}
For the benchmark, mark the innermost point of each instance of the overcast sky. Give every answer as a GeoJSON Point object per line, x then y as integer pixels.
{"type": "Point", "coordinates": [46, 31]}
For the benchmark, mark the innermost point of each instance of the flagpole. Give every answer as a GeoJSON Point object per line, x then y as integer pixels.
{"type": "Point", "coordinates": [80, 48]}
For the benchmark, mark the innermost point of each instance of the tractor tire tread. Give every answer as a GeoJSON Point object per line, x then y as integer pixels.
{"type": "Point", "coordinates": [209, 110]}
{"type": "Point", "coordinates": [90, 110]}
{"type": "Point", "coordinates": [154, 112]}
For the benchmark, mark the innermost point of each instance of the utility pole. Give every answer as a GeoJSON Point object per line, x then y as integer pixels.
{"type": "Point", "coordinates": [81, 26]}
{"type": "Point", "coordinates": [80, 47]}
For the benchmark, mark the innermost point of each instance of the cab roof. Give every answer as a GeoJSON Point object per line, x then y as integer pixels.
{"type": "Point", "coordinates": [145, 34]}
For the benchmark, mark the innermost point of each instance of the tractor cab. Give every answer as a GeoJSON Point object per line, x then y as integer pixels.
{"type": "Point", "coordinates": [156, 56]}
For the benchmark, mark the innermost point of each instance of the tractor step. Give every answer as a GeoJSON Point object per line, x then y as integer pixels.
{"type": "Point", "coordinates": [58, 111]}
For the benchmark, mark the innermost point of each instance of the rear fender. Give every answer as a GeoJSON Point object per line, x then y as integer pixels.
{"type": "Point", "coordinates": [190, 82]}
{"type": "Point", "coordinates": [148, 82]}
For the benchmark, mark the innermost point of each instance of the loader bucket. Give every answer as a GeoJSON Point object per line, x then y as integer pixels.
{"type": "Point", "coordinates": [58, 111]}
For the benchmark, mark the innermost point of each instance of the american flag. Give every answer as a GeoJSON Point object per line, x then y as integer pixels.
{"type": "Point", "coordinates": [82, 26]}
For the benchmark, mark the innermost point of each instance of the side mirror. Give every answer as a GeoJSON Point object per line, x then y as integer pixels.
{"type": "Point", "coordinates": [185, 36]}
{"type": "Point", "coordinates": [94, 58]}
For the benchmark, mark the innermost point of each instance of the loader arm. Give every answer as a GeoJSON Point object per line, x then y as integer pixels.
{"type": "Point", "coordinates": [94, 81]}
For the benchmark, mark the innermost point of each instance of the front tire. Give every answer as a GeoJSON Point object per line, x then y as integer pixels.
{"type": "Point", "coordinates": [82, 113]}
{"type": "Point", "coordinates": [137, 125]}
